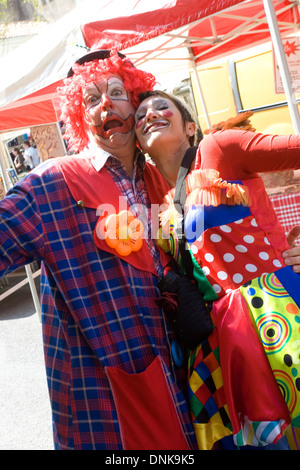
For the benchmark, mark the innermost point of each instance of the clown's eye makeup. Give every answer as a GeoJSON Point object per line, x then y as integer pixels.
{"type": "Point", "coordinates": [95, 93]}
{"type": "Point", "coordinates": [91, 96]}
{"type": "Point", "coordinates": [140, 114]}
{"type": "Point", "coordinates": [116, 90]}
{"type": "Point", "coordinates": [157, 105]}
{"type": "Point", "coordinates": [161, 105]}
{"type": "Point", "coordinates": [91, 100]}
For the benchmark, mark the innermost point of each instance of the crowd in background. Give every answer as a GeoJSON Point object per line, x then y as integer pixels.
{"type": "Point", "coordinates": [27, 158]}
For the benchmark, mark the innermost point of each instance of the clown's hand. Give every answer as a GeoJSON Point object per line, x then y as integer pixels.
{"type": "Point", "coordinates": [292, 256]}
{"type": "Point", "coordinates": [185, 307]}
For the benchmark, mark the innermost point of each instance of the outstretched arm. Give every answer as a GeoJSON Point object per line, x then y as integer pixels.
{"type": "Point", "coordinates": [243, 154]}
{"type": "Point", "coordinates": [21, 229]}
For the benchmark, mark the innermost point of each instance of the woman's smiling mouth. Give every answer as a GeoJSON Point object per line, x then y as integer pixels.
{"type": "Point", "coordinates": [155, 126]}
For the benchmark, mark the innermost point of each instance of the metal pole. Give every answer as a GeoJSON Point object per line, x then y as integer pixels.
{"type": "Point", "coordinates": [192, 59]}
{"type": "Point", "coordinates": [61, 137]}
{"type": "Point", "coordinates": [33, 290]}
{"type": "Point", "coordinates": [2, 165]}
{"type": "Point", "coordinates": [34, 293]}
{"type": "Point", "coordinates": [282, 64]}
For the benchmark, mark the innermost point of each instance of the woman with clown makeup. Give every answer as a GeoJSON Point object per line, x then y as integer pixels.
{"type": "Point", "coordinates": [220, 226]}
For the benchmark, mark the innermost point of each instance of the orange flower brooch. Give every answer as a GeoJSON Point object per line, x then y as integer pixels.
{"type": "Point", "coordinates": [123, 232]}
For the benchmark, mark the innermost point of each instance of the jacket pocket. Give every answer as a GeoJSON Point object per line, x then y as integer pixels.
{"type": "Point", "coordinates": [146, 411]}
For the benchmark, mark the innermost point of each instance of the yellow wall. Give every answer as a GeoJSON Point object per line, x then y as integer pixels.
{"type": "Point", "coordinates": [255, 76]}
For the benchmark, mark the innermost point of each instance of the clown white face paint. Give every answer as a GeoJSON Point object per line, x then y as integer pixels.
{"type": "Point", "coordinates": [108, 111]}
{"type": "Point", "coordinates": [159, 126]}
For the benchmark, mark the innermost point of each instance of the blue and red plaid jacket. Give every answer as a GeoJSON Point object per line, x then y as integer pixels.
{"type": "Point", "coordinates": [98, 311]}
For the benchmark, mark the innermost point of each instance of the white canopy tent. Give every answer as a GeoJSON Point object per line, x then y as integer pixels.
{"type": "Point", "coordinates": [45, 58]}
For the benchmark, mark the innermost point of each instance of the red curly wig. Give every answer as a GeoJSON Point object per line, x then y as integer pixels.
{"type": "Point", "coordinates": [135, 81]}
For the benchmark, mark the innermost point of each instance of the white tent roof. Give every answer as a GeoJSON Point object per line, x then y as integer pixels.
{"type": "Point", "coordinates": [45, 58]}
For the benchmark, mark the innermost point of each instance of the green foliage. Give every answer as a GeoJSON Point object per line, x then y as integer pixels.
{"type": "Point", "coordinates": [6, 7]}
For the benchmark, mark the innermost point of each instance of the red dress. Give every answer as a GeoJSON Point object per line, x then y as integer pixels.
{"type": "Point", "coordinates": [236, 242]}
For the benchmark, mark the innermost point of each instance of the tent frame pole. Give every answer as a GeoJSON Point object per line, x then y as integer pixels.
{"type": "Point", "coordinates": [33, 290]}
{"type": "Point", "coordinates": [2, 167]}
{"type": "Point", "coordinates": [199, 89]}
{"type": "Point", "coordinates": [28, 269]}
{"type": "Point", "coordinates": [282, 64]}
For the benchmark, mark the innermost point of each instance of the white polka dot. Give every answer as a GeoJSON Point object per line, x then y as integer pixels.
{"type": "Point", "coordinates": [228, 257]}
{"type": "Point", "coordinates": [215, 238]}
{"type": "Point", "coordinates": [238, 221]}
{"type": "Point", "coordinates": [277, 263]}
{"type": "Point", "coordinates": [251, 268]}
{"type": "Point", "coordinates": [206, 270]}
{"type": "Point", "coordinates": [194, 249]}
{"type": "Point", "coordinates": [217, 288]}
{"type": "Point", "coordinates": [222, 275]}
{"type": "Point", "coordinates": [266, 241]}
{"type": "Point", "coordinates": [241, 248]}
{"type": "Point", "coordinates": [253, 223]}
{"type": "Point", "coordinates": [209, 257]}
{"type": "Point", "coordinates": [228, 291]}
{"type": "Point", "coordinates": [237, 278]}
{"type": "Point", "coordinates": [263, 255]}
{"type": "Point", "coordinates": [225, 228]}
{"type": "Point", "coordinates": [248, 239]}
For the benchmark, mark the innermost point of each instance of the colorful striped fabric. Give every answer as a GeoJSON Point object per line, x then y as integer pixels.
{"type": "Point", "coordinates": [259, 433]}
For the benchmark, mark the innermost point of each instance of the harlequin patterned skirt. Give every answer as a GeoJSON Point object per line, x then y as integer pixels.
{"type": "Point", "coordinates": [256, 341]}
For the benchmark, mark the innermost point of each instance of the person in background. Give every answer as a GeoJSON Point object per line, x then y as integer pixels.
{"type": "Point", "coordinates": [28, 162]}
{"type": "Point", "coordinates": [37, 157]}
{"type": "Point", "coordinates": [233, 252]}
{"type": "Point", "coordinates": [18, 160]}
{"type": "Point", "coordinates": [31, 155]}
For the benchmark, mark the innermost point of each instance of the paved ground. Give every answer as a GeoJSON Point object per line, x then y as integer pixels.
{"type": "Point", "coordinates": [25, 416]}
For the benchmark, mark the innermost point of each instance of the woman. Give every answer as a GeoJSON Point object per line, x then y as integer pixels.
{"type": "Point", "coordinates": [18, 160]}
{"type": "Point", "coordinates": [234, 239]}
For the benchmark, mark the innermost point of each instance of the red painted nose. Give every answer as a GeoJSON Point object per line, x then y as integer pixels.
{"type": "Point", "coordinates": [106, 102]}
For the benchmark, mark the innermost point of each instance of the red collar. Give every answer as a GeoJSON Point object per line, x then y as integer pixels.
{"type": "Point", "coordinates": [91, 189]}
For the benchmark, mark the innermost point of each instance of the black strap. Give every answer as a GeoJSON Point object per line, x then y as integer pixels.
{"type": "Point", "coordinates": [180, 191]}
{"type": "Point", "coordinates": [179, 201]}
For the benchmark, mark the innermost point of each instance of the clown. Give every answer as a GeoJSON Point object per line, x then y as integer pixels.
{"type": "Point", "coordinates": [113, 382]}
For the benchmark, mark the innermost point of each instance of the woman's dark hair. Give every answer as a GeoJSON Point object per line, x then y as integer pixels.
{"type": "Point", "coordinates": [182, 108]}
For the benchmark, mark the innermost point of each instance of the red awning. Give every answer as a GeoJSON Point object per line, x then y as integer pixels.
{"type": "Point", "coordinates": [27, 115]}
{"type": "Point", "coordinates": [213, 27]}
{"type": "Point", "coordinates": [144, 20]}
{"type": "Point", "coordinates": [38, 108]}
{"type": "Point", "coordinates": [162, 36]}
